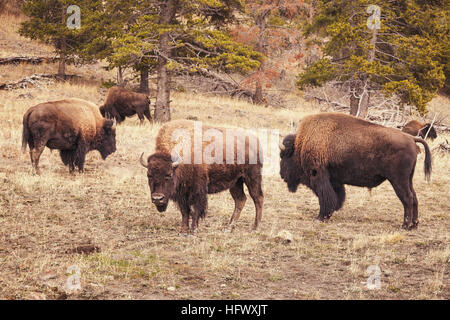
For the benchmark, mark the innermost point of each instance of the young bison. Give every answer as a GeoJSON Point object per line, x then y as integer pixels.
{"type": "Point", "coordinates": [332, 149]}
{"type": "Point", "coordinates": [121, 103]}
{"type": "Point", "coordinates": [188, 180]}
{"type": "Point", "coordinates": [416, 128]}
{"type": "Point", "coordinates": [73, 126]}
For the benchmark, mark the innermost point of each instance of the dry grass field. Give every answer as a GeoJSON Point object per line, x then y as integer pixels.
{"type": "Point", "coordinates": [103, 222]}
{"type": "Point", "coordinates": [136, 252]}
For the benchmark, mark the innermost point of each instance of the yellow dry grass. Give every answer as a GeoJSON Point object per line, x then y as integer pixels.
{"type": "Point", "coordinates": [141, 255]}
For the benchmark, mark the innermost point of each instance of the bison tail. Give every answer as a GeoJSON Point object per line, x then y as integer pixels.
{"type": "Point", "coordinates": [427, 164]}
{"type": "Point", "coordinates": [25, 132]}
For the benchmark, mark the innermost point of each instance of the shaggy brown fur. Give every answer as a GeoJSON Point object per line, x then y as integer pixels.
{"type": "Point", "coordinates": [416, 128]}
{"type": "Point", "coordinates": [333, 149]}
{"type": "Point", "coordinates": [189, 184]}
{"type": "Point", "coordinates": [121, 103]}
{"type": "Point", "coordinates": [73, 126]}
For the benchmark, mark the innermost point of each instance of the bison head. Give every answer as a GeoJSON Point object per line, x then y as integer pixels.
{"type": "Point", "coordinates": [432, 134]}
{"type": "Point", "coordinates": [107, 140]}
{"type": "Point", "coordinates": [161, 178]}
{"type": "Point", "coordinates": [290, 170]}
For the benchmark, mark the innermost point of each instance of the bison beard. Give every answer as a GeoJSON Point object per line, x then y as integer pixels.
{"type": "Point", "coordinates": [331, 150]}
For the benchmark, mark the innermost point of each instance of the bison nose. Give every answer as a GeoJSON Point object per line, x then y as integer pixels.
{"type": "Point", "coordinates": [157, 198]}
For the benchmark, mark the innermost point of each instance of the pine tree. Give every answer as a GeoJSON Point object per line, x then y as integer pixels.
{"type": "Point", "coordinates": [49, 22]}
{"type": "Point", "coordinates": [407, 56]}
{"type": "Point", "coordinates": [182, 35]}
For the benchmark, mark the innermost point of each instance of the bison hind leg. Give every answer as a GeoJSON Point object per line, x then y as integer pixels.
{"type": "Point", "coordinates": [254, 188]}
{"type": "Point", "coordinates": [35, 155]}
{"type": "Point", "coordinates": [237, 192]}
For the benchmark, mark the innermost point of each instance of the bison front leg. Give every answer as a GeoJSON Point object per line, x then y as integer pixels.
{"type": "Point", "coordinates": [147, 114]}
{"type": "Point", "coordinates": [200, 208]}
{"type": "Point", "coordinates": [328, 199]}
{"type": "Point", "coordinates": [80, 154]}
{"type": "Point", "coordinates": [185, 213]}
{"type": "Point", "coordinates": [67, 157]}
{"type": "Point", "coordinates": [340, 192]}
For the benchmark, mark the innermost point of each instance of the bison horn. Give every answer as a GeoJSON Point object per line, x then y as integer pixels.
{"type": "Point", "coordinates": [178, 161]}
{"type": "Point", "coordinates": [143, 163]}
{"type": "Point", "coordinates": [282, 147]}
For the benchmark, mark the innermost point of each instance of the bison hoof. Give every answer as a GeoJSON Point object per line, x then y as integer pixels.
{"type": "Point", "coordinates": [228, 229]}
{"type": "Point", "coordinates": [410, 227]}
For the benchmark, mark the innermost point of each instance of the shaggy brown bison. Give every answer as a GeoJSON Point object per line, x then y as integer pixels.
{"type": "Point", "coordinates": [188, 179]}
{"type": "Point", "coordinates": [416, 128]}
{"type": "Point", "coordinates": [73, 126]}
{"type": "Point", "coordinates": [332, 149]}
{"type": "Point", "coordinates": [121, 103]}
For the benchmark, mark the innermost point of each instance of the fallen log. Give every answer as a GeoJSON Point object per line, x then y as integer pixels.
{"type": "Point", "coordinates": [31, 60]}
{"type": "Point", "coordinates": [34, 81]}
{"type": "Point", "coordinates": [219, 84]}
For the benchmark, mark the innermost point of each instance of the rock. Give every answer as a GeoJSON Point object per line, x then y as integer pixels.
{"type": "Point", "coordinates": [45, 276]}
{"type": "Point", "coordinates": [284, 236]}
{"type": "Point", "coordinates": [171, 289]}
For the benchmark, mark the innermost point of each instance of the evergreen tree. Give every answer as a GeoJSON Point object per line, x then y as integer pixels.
{"type": "Point", "coordinates": [184, 35]}
{"type": "Point", "coordinates": [49, 21]}
{"type": "Point", "coordinates": [406, 56]}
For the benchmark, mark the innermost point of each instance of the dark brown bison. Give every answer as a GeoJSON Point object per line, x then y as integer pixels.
{"type": "Point", "coordinates": [332, 149]}
{"type": "Point", "coordinates": [187, 182]}
{"type": "Point", "coordinates": [121, 103]}
{"type": "Point", "coordinates": [419, 129]}
{"type": "Point", "coordinates": [73, 126]}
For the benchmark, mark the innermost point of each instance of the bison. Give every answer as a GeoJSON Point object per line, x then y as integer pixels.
{"type": "Point", "coordinates": [121, 103]}
{"type": "Point", "coordinates": [187, 183]}
{"type": "Point", "coordinates": [73, 126]}
{"type": "Point", "coordinates": [332, 149]}
{"type": "Point", "coordinates": [419, 129]}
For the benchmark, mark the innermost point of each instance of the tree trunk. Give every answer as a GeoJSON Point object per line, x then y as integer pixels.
{"type": "Point", "coordinates": [62, 64]}
{"type": "Point", "coordinates": [62, 49]}
{"type": "Point", "coordinates": [120, 77]}
{"type": "Point", "coordinates": [143, 86]}
{"type": "Point", "coordinates": [359, 95]}
{"type": "Point", "coordinates": [261, 23]}
{"type": "Point", "coordinates": [162, 104]}
{"type": "Point", "coordinates": [359, 100]}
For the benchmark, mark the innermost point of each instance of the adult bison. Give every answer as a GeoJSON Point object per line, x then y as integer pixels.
{"type": "Point", "coordinates": [332, 149]}
{"type": "Point", "coordinates": [416, 128]}
{"type": "Point", "coordinates": [121, 103]}
{"type": "Point", "coordinates": [204, 170]}
{"type": "Point", "coordinates": [73, 126]}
